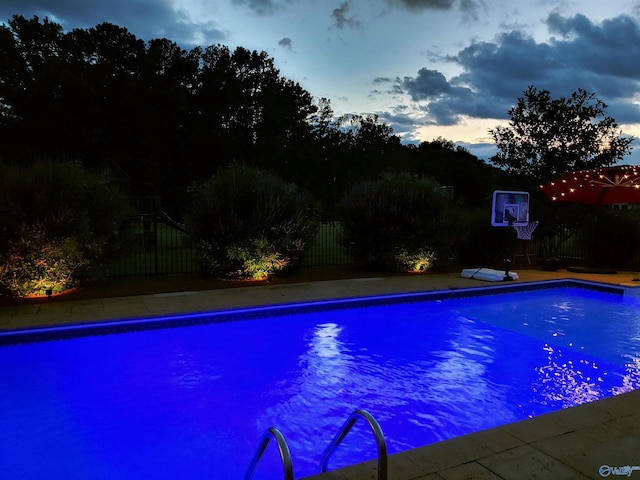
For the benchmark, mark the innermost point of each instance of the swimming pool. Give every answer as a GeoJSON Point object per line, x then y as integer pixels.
{"type": "Point", "coordinates": [194, 401]}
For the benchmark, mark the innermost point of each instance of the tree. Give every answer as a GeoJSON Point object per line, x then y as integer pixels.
{"type": "Point", "coordinates": [549, 137]}
{"type": "Point", "coordinates": [30, 54]}
{"type": "Point", "coordinates": [472, 179]}
{"type": "Point", "coordinates": [372, 147]}
{"type": "Point", "coordinates": [250, 111]}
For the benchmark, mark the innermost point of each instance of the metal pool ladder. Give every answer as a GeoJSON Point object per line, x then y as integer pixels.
{"type": "Point", "coordinates": [377, 432]}
{"type": "Point", "coordinates": [285, 454]}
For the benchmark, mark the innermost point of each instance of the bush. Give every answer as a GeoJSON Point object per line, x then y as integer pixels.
{"type": "Point", "coordinates": [614, 239]}
{"type": "Point", "coordinates": [485, 245]}
{"type": "Point", "coordinates": [399, 222]}
{"type": "Point", "coordinates": [58, 220]}
{"type": "Point", "coordinates": [36, 263]}
{"type": "Point", "coordinates": [248, 223]}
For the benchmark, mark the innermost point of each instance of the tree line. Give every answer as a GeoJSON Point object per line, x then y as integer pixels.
{"type": "Point", "coordinates": [158, 117]}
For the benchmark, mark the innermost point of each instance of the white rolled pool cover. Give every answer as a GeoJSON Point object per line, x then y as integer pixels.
{"type": "Point", "coordinates": [487, 274]}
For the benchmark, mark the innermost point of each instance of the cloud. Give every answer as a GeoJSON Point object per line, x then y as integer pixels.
{"type": "Point", "coordinates": [89, 13]}
{"type": "Point", "coordinates": [147, 19]}
{"type": "Point", "coordinates": [428, 84]}
{"type": "Point", "coordinates": [400, 122]}
{"type": "Point", "coordinates": [341, 18]}
{"type": "Point", "coordinates": [465, 5]}
{"type": "Point", "coordinates": [604, 49]}
{"type": "Point", "coordinates": [579, 54]}
{"type": "Point", "coordinates": [447, 102]}
{"type": "Point", "coordinates": [464, 102]}
{"type": "Point", "coordinates": [404, 125]}
{"type": "Point", "coordinates": [262, 7]}
{"type": "Point", "coordinates": [483, 151]}
{"type": "Point", "coordinates": [423, 4]}
{"type": "Point", "coordinates": [286, 43]}
{"type": "Point", "coordinates": [505, 68]}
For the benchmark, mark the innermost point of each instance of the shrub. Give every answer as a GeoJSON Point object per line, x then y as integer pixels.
{"type": "Point", "coordinates": [249, 223]}
{"type": "Point", "coordinates": [614, 238]}
{"type": "Point", "coordinates": [58, 220]}
{"type": "Point", "coordinates": [419, 260]}
{"type": "Point", "coordinates": [36, 263]}
{"type": "Point", "coordinates": [399, 222]}
{"type": "Point", "coordinates": [484, 244]}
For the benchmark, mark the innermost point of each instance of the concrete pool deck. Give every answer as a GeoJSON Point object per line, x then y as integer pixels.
{"type": "Point", "coordinates": [569, 444]}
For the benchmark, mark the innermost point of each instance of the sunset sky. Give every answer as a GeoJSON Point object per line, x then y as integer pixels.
{"type": "Point", "coordinates": [427, 68]}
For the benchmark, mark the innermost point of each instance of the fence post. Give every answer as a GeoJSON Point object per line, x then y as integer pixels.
{"type": "Point", "coordinates": [155, 243]}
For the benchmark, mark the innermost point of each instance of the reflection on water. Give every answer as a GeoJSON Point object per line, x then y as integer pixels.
{"type": "Point", "coordinates": [565, 382]}
{"type": "Point", "coordinates": [325, 342]}
{"type": "Point", "coordinates": [630, 381]}
{"type": "Point", "coordinates": [327, 358]}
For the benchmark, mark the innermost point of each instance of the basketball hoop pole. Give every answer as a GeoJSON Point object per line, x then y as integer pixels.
{"type": "Point", "coordinates": [507, 261]}
{"type": "Point", "coordinates": [507, 275]}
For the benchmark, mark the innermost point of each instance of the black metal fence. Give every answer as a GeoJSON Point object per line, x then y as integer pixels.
{"type": "Point", "coordinates": [156, 246]}
{"type": "Point", "coordinates": [325, 250]}
{"type": "Point", "coordinates": [570, 245]}
{"type": "Point", "coordinates": [160, 246]}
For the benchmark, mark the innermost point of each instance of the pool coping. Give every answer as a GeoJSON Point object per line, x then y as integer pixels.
{"type": "Point", "coordinates": [573, 443]}
{"type": "Point", "coordinates": [62, 312]}
{"type": "Point", "coordinates": [124, 325]}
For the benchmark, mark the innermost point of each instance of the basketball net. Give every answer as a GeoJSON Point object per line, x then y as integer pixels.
{"type": "Point", "coordinates": [524, 231]}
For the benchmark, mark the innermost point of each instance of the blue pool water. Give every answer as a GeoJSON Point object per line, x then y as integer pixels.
{"type": "Point", "coordinates": [192, 402]}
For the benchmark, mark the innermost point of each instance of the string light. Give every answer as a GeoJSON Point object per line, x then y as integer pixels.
{"type": "Point", "coordinates": [573, 186]}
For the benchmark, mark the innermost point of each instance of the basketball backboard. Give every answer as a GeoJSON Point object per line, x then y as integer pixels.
{"type": "Point", "coordinates": [509, 208]}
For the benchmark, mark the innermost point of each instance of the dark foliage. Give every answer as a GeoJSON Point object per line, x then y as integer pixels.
{"type": "Point", "coordinates": [613, 238]}
{"type": "Point", "coordinates": [399, 217]}
{"type": "Point", "coordinates": [249, 223]}
{"type": "Point", "coordinates": [483, 244]}
{"type": "Point", "coordinates": [58, 221]}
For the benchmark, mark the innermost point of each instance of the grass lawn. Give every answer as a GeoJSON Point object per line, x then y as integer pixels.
{"type": "Point", "coordinates": [325, 248]}
{"type": "Point", "coordinates": [156, 249]}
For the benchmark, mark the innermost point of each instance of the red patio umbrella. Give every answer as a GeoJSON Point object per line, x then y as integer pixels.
{"type": "Point", "coordinates": [601, 186]}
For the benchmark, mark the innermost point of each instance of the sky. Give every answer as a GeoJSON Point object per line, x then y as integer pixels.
{"type": "Point", "coordinates": [427, 68]}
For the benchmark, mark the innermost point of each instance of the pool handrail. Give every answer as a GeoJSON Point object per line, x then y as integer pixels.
{"type": "Point", "coordinates": [285, 454]}
{"type": "Point", "coordinates": [377, 432]}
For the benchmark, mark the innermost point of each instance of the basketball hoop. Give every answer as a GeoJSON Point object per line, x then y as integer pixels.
{"type": "Point", "coordinates": [511, 209]}
{"type": "Point", "coordinates": [524, 231]}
